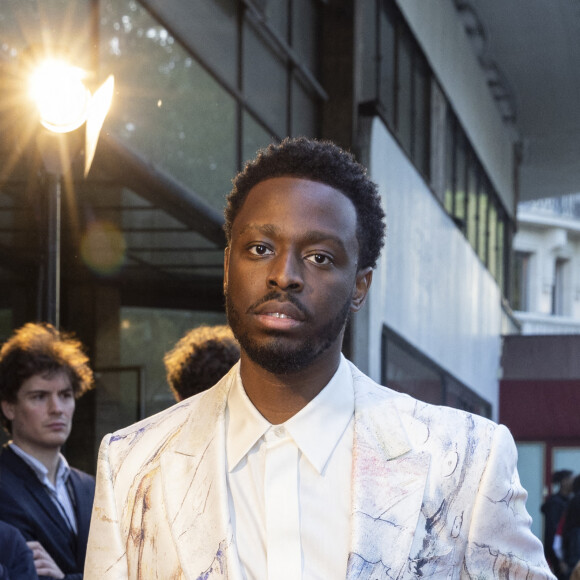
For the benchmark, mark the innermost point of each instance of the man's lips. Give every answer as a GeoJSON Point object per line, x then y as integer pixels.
{"type": "Point", "coordinates": [57, 425]}
{"type": "Point", "coordinates": [280, 310]}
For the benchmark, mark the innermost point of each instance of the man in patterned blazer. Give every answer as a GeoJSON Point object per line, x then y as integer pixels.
{"type": "Point", "coordinates": [296, 465]}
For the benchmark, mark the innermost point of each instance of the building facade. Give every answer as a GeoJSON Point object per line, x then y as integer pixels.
{"type": "Point", "coordinates": [547, 266]}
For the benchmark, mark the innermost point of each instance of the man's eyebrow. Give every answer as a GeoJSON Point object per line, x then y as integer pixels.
{"type": "Point", "coordinates": [42, 391]}
{"type": "Point", "coordinates": [315, 236]}
{"type": "Point", "coordinates": [267, 229]}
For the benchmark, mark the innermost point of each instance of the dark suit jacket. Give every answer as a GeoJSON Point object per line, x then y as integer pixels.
{"type": "Point", "coordinates": [16, 561]}
{"type": "Point", "coordinates": [25, 503]}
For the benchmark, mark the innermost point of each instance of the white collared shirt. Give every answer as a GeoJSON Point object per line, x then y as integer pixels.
{"type": "Point", "coordinates": [58, 493]}
{"type": "Point", "coordinates": [322, 435]}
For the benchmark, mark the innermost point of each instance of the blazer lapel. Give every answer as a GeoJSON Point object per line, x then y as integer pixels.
{"type": "Point", "coordinates": [31, 491]}
{"type": "Point", "coordinates": [387, 487]}
{"type": "Point", "coordinates": [195, 492]}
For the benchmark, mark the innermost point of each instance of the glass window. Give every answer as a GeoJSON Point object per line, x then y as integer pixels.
{"type": "Point", "coordinates": [421, 133]}
{"type": "Point", "coordinates": [370, 52]}
{"type": "Point", "coordinates": [459, 396]}
{"type": "Point", "coordinates": [449, 163]}
{"type": "Point", "coordinates": [460, 209]}
{"type": "Point", "coordinates": [521, 297]}
{"type": "Point", "coordinates": [208, 27]}
{"type": "Point", "coordinates": [254, 137]}
{"type": "Point", "coordinates": [167, 107]}
{"type": "Point", "coordinates": [531, 472]}
{"type": "Point", "coordinates": [276, 12]}
{"type": "Point", "coordinates": [482, 223]}
{"type": "Point", "coordinates": [404, 122]}
{"type": "Point", "coordinates": [407, 374]}
{"type": "Point", "coordinates": [146, 335]}
{"type": "Point", "coordinates": [387, 52]}
{"type": "Point", "coordinates": [63, 23]}
{"type": "Point", "coordinates": [265, 80]}
{"type": "Point", "coordinates": [492, 239]}
{"type": "Point", "coordinates": [559, 287]}
{"type": "Point", "coordinates": [406, 370]}
{"type": "Point", "coordinates": [304, 31]}
{"type": "Point", "coordinates": [438, 149]}
{"type": "Point", "coordinates": [304, 109]}
{"type": "Point", "coordinates": [472, 201]}
{"type": "Point", "coordinates": [501, 246]}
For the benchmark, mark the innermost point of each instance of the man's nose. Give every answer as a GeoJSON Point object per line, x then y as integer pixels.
{"type": "Point", "coordinates": [286, 272]}
{"type": "Point", "coordinates": [55, 404]}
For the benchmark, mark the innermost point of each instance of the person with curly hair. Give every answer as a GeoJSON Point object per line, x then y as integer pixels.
{"type": "Point", "coordinates": [296, 465]}
{"type": "Point", "coordinates": [200, 359]}
{"type": "Point", "coordinates": [42, 372]}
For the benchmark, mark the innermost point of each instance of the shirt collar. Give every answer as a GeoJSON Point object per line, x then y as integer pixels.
{"type": "Point", "coordinates": [39, 468]}
{"type": "Point", "coordinates": [245, 424]}
{"type": "Point", "coordinates": [316, 429]}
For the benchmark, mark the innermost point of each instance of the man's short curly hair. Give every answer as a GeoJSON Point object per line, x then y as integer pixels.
{"type": "Point", "coordinates": [40, 349]}
{"type": "Point", "coordinates": [200, 359]}
{"type": "Point", "coordinates": [326, 163]}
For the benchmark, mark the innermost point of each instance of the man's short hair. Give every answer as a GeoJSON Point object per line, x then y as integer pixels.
{"type": "Point", "coordinates": [200, 359]}
{"type": "Point", "coordinates": [40, 349]}
{"type": "Point", "coordinates": [560, 475]}
{"type": "Point", "coordinates": [324, 162]}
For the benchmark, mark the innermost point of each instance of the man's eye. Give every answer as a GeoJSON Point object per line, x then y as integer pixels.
{"type": "Point", "coordinates": [320, 259]}
{"type": "Point", "coordinates": [260, 250]}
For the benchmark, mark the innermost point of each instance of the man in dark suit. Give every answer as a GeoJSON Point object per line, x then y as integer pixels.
{"type": "Point", "coordinates": [42, 372]}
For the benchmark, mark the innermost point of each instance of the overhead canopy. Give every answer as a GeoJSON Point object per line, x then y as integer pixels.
{"type": "Point", "coordinates": [532, 51]}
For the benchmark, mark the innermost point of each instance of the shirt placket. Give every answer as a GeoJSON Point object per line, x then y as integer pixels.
{"type": "Point", "coordinates": [284, 557]}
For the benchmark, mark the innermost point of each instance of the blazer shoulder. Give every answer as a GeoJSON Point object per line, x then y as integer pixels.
{"type": "Point", "coordinates": [439, 421]}
{"type": "Point", "coordinates": [190, 422]}
{"type": "Point", "coordinates": [85, 480]}
{"type": "Point", "coordinates": [13, 470]}
{"type": "Point", "coordinates": [171, 417]}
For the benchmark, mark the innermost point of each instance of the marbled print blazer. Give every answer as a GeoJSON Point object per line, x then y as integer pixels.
{"type": "Point", "coordinates": [435, 494]}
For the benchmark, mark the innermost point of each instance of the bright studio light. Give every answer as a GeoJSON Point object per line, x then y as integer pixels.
{"type": "Point", "coordinates": [60, 95]}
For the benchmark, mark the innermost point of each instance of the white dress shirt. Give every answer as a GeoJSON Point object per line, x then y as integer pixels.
{"type": "Point", "coordinates": [58, 493]}
{"type": "Point", "coordinates": [289, 485]}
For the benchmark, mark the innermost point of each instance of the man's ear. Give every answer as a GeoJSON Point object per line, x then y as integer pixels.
{"type": "Point", "coordinates": [226, 264]}
{"type": "Point", "coordinates": [362, 284]}
{"type": "Point", "coordinates": [7, 410]}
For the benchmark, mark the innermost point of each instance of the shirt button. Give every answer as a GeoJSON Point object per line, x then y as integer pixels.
{"type": "Point", "coordinates": [279, 431]}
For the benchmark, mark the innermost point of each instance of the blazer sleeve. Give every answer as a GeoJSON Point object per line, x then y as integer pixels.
{"type": "Point", "coordinates": [16, 562]}
{"type": "Point", "coordinates": [106, 554]}
{"type": "Point", "coordinates": [500, 538]}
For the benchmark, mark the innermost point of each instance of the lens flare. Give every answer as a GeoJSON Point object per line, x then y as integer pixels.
{"type": "Point", "coordinates": [103, 248]}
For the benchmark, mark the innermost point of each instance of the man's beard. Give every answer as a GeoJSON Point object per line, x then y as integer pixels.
{"type": "Point", "coordinates": [277, 357]}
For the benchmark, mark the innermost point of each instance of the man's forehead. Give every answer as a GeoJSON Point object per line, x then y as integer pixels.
{"type": "Point", "coordinates": [295, 192]}
{"type": "Point", "coordinates": [299, 181]}
{"type": "Point", "coordinates": [49, 380]}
